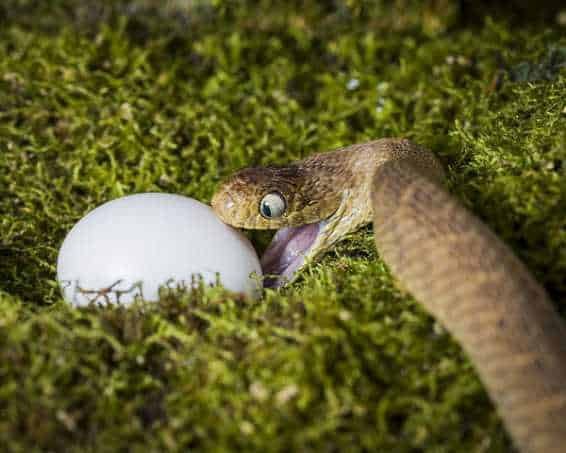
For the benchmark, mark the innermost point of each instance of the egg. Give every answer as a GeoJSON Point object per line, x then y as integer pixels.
{"type": "Point", "coordinates": [128, 248]}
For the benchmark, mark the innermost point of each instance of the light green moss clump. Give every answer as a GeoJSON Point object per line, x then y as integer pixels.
{"type": "Point", "coordinates": [101, 101]}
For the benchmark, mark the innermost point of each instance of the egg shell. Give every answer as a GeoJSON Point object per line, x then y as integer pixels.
{"type": "Point", "coordinates": [129, 247]}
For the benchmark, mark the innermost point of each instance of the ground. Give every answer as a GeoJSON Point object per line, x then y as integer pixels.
{"type": "Point", "coordinates": [99, 100]}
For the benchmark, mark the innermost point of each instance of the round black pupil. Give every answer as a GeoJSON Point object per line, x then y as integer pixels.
{"type": "Point", "coordinates": [266, 210]}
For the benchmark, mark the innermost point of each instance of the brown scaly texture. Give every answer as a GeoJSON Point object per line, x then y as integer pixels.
{"type": "Point", "coordinates": [473, 284]}
{"type": "Point", "coordinates": [455, 266]}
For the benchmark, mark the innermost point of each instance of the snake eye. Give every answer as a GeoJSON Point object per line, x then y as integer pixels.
{"type": "Point", "coordinates": [272, 205]}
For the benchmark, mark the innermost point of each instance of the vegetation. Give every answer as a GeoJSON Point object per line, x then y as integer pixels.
{"type": "Point", "coordinates": [101, 101]}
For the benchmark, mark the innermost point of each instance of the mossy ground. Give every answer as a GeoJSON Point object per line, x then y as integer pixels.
{"type": "Point", "coordinates": [102, 101]}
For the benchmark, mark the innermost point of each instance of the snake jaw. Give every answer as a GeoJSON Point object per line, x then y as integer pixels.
{"type": "Point", "coordinates": [287, 253]}
{"type": "Point", "coordinates": [293, 247]}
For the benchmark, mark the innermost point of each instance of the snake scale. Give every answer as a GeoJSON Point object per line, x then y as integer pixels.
{"type": "Point", "coordinates": [452, 264]}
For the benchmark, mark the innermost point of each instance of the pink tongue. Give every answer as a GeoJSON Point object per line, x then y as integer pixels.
{"type": "Point", "coordinates": [286, 253]}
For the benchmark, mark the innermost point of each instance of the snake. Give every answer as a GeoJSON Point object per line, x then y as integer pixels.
{"type": "Point", "coordinates": [464, 276]}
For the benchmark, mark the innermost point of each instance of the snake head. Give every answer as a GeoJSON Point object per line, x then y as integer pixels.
{"type": "Point", "coordinates": [305, 205]}
{"type": "Point", "coordinates": [266, 198]}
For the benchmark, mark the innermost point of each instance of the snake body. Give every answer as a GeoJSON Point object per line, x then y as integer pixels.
{"type": "Point", "coordinates": [444, 256]}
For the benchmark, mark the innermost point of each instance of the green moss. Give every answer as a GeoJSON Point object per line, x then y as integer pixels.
{"type": "Point", "coordinates": [98, 103]}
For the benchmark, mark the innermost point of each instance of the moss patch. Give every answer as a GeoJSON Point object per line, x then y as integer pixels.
{"type": "Point", "coordinates": [99, 102]}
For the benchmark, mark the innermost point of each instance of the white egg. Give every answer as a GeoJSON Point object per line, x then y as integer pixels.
{"type": "Point", "coordinates": [128, 248]}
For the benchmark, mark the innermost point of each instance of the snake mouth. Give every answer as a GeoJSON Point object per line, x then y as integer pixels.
{"type": "Point", "coordinates": [287, 252]}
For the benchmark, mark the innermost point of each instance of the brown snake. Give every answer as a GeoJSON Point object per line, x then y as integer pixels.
{"type": "Point", "coordinates": [443, 255]}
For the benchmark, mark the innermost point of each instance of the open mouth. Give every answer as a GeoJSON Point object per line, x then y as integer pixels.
{"type": "Point", "coordinates": [287, 252]}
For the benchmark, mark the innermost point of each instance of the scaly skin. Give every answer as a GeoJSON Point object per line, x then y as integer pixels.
{"type": "Point", "coordinates": [443, 255]}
